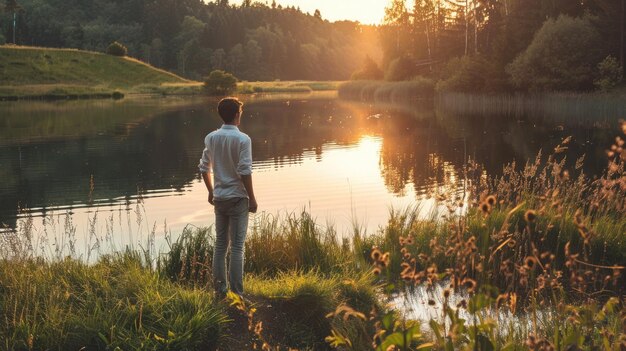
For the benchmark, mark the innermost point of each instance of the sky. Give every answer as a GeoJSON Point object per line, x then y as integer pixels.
{"type": "Point", "coordinates": [364, 11]}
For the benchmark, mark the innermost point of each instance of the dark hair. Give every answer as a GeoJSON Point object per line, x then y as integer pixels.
{"type": "Point", "coordinates": [228, 108]}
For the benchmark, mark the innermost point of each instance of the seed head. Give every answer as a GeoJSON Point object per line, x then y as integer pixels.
{"type": "Point", "coordinates": [530, 216]}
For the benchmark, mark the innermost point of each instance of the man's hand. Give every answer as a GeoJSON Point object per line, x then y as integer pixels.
{"type": "Point", "coordinates": [252, 207]}
{"type": "Point", "coordinates": [207, 181]}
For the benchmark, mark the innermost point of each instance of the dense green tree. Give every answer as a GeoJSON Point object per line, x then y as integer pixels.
{"type": "Point", "coordinates": [220, 83]}
{"type": "Point", "coordinates": [369, 71]}
{"type": "Point", "coordinates": [192, 37]}
{"type": "Point", "coordinates": [562, 56]}
{"type": "Point", "coordinates": [401, 68]}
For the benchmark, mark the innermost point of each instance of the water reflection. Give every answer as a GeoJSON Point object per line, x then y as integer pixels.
{"type": "Point", "coordinates": [340, 158]}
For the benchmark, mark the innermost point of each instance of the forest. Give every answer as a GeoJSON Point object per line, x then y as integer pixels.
{"type": "Point", "coordinates": [461, 45]}
{"type": "Point", "coordinates": [254, 41]}
{"type": "Point", "coordinates": [496, 45]}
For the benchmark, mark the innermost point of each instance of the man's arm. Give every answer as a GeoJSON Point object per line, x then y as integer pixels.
{"type": "Point", "coordinates": [204, 166]}
{"type": "Point", "coordinates": [244, 169]}
{"type": "Point", "coordinates": [207, 181]}
{"type": "Point", "coordinates": [247, 183]}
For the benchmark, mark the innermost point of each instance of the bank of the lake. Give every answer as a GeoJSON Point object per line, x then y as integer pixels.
{"type": "Point", "coordinates": [562, 107]}
{"type": "Point", "coordinates": [539, 243]}
{"type": "Point", "coordinates": [52, 74]}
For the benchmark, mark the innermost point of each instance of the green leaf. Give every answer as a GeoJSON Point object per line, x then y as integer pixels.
{"type": "Point", "coordinates": [449, 345]}
{"type": "Point", "coordinates": [436, 328]}
{"type": "Point", "coordinates": [395, 339]}
{"type": "Point", "coordinates": [388, 321]}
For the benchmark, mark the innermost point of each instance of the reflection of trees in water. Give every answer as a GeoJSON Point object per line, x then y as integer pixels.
{"type": "Point", "coordinates": [283, 133]}
{"type": "Point", "coordinates": [156, 148]}
{"type": "Point", "coordinates": [431, 152]}
{"type": "Point", "coordinates": [419, 153]}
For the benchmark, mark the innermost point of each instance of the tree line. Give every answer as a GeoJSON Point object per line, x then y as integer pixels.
{"type": "Point", "coordinates": [490, 45]}
{"type": "Point", "coordinates": [253, 40]}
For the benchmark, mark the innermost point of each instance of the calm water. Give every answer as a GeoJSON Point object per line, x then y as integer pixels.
{"type": "Point", "coordinates": [341, 160]}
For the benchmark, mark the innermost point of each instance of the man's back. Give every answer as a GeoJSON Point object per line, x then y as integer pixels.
{"type": "Point", "coordinates": [229, 153]}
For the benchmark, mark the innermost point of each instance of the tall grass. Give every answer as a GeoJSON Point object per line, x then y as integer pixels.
{"type": "Point", "coordinates": [380, 91]}
{"type": "Point", "coordinates": [116, 303]}
{"type": "Point", "coordinates": [539, 243]}
{"type": "Point", "coordinates": [558, 107]}
{"type": "Point", "coordinates": [544, 244]}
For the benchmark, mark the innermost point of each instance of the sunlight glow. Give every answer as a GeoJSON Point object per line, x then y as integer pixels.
{"type": "Point", "coordinates": [364, 11]}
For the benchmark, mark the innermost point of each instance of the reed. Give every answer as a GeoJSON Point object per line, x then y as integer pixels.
{"type": "Point", "coordinates": [395, 92]}
{"type": "Point", "coordinates": [570, 108]}
{"type": "Point", "coordinates": [531, 259]}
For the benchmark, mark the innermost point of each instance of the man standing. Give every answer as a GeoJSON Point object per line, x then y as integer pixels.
{"type": "Point", "coordinates": [228, 153]}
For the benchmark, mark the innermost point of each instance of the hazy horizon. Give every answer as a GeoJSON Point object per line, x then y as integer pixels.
{"type": "Point", "coordinates": [364, 11]}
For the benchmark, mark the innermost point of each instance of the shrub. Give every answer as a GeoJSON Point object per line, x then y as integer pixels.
{"type": "Point", "coordinates": [467, 74]}
{"type": "Point", "coordinates": [369, 71]}
{"type": "Point", "coordinates": [402, 68]}
{"type": "Point", "coordinates": [610, 74]}
{"type": "Point", "coordinates": [562, 56]}
{"type": "Point", "coordinates": [117, 49]}
{"type": "Point", "coordinates": [220, 83]}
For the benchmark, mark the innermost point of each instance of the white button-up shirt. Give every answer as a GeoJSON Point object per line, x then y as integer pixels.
{"type": "Point", "coordinates": [229, 153]}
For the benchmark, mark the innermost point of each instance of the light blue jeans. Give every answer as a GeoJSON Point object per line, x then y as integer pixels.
{"type": "Point", "coordinates": [231, 225]}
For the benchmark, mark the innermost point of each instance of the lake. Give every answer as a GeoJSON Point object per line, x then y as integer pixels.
{"type": "Point", "coordinates": [127, 168]}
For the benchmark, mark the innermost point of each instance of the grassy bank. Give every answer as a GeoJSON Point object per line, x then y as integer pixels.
{"type": "Point", "coordinates": [532, 259]}
{"type": "Point", "coordinates": [394, 92]}
{"type": "Point", "coordinates": [286, 86]}
{"type": "Point", "coordinates": [46, 73]}
{"type": "Point", "coordinates": [559, 107]}
{"type": "Point", "coordinates": [31, 72]}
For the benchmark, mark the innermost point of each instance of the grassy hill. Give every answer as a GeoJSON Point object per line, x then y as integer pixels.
{"type": "Point", "coordinates": [44, 72]}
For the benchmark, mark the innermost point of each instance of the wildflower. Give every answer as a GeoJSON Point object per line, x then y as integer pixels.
{"type": "Point", "coordinates": [431, 302]}
{"type": "Point", "coordinates": [530, 216]}
{"type": "Point", "coordinates": [491, 200]}
{"type": "Point", "coordinates": [446, 293]}
{"type": "Point", "coordinates": [376, 270]}
{"type": "Point", "coordinates": [529, 262]}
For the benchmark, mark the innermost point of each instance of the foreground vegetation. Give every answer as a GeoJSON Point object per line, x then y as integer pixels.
{"type": "Point", "coordinates": [531, 259]}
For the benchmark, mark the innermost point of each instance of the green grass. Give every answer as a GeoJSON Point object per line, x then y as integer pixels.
{"type": "Point", "coordinates": [545, 246]}
{"type": "Point", "coordinates": [68, 305]}
{"type": "Point", "coordinates": [45, 72]}
{"type": "Point", "coordinates": [382, 91]}
{"type": "Point", "coordinates": [286, 86]}
{"type": "Point", "coordinates": [305, 300]}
